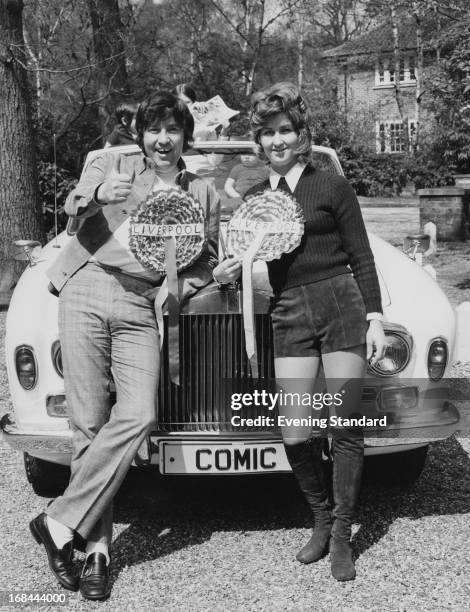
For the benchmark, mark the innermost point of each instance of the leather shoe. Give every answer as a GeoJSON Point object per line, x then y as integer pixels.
{"type": "Point", "coordinates": [60, 559]}
{"type": "Point", "coordinates": [94, 581]}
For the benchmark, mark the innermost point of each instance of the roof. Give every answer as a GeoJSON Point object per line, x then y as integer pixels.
{"type": "Point", "coordinates": [380, 39]}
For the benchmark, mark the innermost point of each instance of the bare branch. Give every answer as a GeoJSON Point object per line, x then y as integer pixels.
{"type": "Point", "coordinates": [230, 23]}
{"type": "Point", "coordinates": [68, 70]}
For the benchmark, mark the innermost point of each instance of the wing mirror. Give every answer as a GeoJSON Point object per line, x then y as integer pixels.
{"type": "Point", "coordinates": [27, 250]}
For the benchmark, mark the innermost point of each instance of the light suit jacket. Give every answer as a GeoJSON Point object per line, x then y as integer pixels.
{"type": "Point", "coordinates": [97, 223]}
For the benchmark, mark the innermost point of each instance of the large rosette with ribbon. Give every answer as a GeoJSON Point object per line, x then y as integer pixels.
{"type": "Point", "coordinates": [265, 226]}
{"type": "Point", "coordinates": [167, 213]}
{"type": "Point", "coordinates": [167, 234]}
{"type": "Point", "coordinates": [273, 218]}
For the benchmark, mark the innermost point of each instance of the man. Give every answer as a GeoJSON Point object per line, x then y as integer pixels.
{"type": "Point", "coordinates": [107, 328]}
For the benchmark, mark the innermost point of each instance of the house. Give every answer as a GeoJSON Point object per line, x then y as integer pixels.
{"type": "Point", "coordinates": [364, 70]}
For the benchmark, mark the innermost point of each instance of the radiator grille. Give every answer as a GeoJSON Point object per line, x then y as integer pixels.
{"type": "Point", "coordinates": [212, 353]}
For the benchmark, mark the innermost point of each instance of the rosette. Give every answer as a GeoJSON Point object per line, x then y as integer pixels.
{"type": "Point", "coordinates": [167, 213]}
{"type": "Point", "coordinates": [167, 233]}
{"type": "Point", "coordinates": [264, 227]}
{"type": "Point", "coordinates": [274, 214]}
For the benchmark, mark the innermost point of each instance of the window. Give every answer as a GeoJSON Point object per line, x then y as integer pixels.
{"type": "Point", "coordinates": [391, 138]}
{"type": "Point", "coordinates": [385, 70]}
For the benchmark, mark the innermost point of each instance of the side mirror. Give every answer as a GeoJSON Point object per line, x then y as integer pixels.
{"type": "Point", "coordinates": [27, 250]}
{"type": "Point", "coordinates": [415, 245]}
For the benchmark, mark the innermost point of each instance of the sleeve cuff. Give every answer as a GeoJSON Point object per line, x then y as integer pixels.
{"type": "Point", "coordinates": [219, 284]}
{"type": "Point", "coordinates": [374, 316]}
{"type": "Point", "coordinates": [95, 197]}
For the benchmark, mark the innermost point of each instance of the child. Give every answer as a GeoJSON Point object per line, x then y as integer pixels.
{"type": "Point", "coordinates": [124, 132]}
{"type": "Point", "coordinates": [248, 173]}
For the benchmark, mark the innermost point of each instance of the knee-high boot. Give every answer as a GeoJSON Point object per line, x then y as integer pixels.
{"type": "Point", "coordinates": [305, 461]}
{"type": "Point", "coordinates": [348, 460]}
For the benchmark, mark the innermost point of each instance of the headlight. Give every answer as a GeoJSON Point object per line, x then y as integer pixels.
{"type": "Point", "coordinates": [26, 367]}
{"type": "Point", "coordinates": [56, 356]}
{"type": "Point", "coordinates": [397, 354]}
{"type": "Point", "coordinates": [438, 356]}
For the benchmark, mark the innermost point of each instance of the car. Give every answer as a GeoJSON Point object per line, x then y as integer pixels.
{"type": "Point", "coordinates": [196, 432]}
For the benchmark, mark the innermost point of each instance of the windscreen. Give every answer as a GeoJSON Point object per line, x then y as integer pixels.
{"type": "Point", "coordinates": [234, 170]}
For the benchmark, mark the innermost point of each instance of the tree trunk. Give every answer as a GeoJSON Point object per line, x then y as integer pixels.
{"type": "Point", "coordinates": [248, 27]}
{"type": "Point", "coordinates": [36, 60]}
{"type": "Point", "coordinates": [398, 92]}
{"type": "Point", "coordinates": [20, 213]}
{"type": "Point", "coordinates": [300, 56]}
{"type": "Point", "coordinates": [108, 44]}
{"type": "Point", "coordinates": [256, 52]}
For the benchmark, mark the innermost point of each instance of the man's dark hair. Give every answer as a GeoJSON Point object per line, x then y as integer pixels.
{"type": "Point", "coordinates": [126, 111]}
{"type": "Point", "coordinates": [186, 90]}
{"type": "Point", "coordinates": [159, 106]}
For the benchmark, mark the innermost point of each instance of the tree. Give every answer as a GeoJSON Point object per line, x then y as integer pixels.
{"type": "Point", "coordinates": [251, 20]}
{"type": "Point", "coordinates": [338, 21]}
{"type": "Point", "coordinates": [449, 98]}
{"type": "Point", "coordinates": [108, 42]}
{"type": "Point", "coordinates": [398, 12]}
{"type": "Point", "coordinates": [20, 214]}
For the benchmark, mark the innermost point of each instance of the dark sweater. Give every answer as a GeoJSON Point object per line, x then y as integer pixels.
{"type": "Point", "coordinates": [334, 237]}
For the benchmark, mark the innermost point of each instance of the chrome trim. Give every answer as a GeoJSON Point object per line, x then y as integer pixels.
{"type": "Point", "coordinates": [401, 332]}
{"type": "Point", "coordinates": [214, 349]}
{"type": "Point", "coordinates": [38, 443]}
{"type": "Point", "coordinates": [47, 444]}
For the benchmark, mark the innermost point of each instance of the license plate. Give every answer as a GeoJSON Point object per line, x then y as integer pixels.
{"type": "Point", "coordinates": [222, 458]}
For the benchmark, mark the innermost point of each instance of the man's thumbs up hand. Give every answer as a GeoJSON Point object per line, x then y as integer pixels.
{"type": "Point", "coordinates": [116, 167]}
{"type": "Point", "coordinates": [116, 187]}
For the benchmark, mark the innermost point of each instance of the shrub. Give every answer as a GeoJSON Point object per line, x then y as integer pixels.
{"type": "Point", "coordinates": [426, 171]}
{"type": "Point", "coordinates": [373, 175]}
{"type": "Point", "coordinates": [54, 188]}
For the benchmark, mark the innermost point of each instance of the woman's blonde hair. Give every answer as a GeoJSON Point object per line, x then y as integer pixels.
{"type": "Point", "coordinates": [284, 98]}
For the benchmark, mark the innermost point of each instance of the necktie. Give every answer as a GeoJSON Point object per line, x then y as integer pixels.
{"type": "Point", "coordinates": [283, 186]}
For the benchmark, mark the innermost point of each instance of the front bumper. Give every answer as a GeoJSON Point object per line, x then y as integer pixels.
{"type": "Point", "coordinates": [56, 446]}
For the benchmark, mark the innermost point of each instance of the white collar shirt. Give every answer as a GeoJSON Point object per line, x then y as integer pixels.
{"type": "Point", "coordinates": [292, 177]}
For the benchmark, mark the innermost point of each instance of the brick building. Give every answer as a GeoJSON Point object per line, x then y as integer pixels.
{"type": "Point", "coordinates": [363, 69]}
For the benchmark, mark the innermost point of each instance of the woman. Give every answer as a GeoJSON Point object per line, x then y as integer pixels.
{"type": "Point", "coordinates": [107, 324]}
{"type": "Point", "coordinates": [321, 314]}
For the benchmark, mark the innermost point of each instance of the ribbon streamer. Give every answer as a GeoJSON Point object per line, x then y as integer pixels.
{"type": "Point", "coordinates": [248, 310]}
{"type": "Point", "coordinates": [166, 233]}
{"type": "Point", "coordinates": [159, 301]}
{"type": "Point", "coordinates": [264, 227]}
{"type": "Point", "coordinates": [173, 310]}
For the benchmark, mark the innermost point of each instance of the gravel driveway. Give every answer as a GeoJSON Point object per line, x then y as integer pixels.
{"type": "Point", "coordinates": [229, 544]}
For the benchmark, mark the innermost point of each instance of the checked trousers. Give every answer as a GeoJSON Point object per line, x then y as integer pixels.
{"type": "Point", "coordinates": [107, 330]}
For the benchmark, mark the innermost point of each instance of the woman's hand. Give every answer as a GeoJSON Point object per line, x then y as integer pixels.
{"type": "Point", "coordinates": [375, 339]}
{"type": "Point", "coordinates": [228, 271]}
